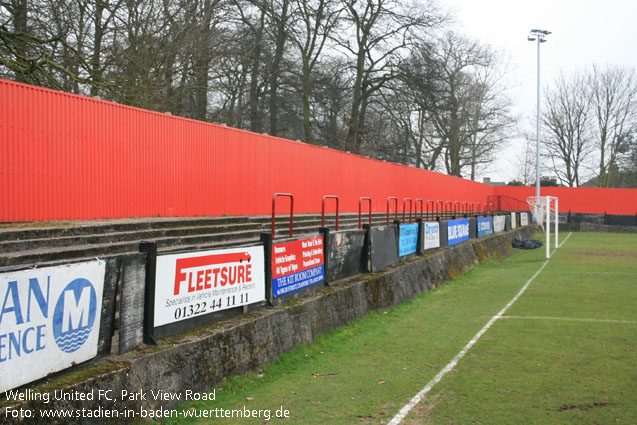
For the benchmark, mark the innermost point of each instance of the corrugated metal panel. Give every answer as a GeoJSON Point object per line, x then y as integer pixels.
{"type": "Point", "coordinates": [67, 157]}
{"type": "Point", "coordinates": [589, 200]}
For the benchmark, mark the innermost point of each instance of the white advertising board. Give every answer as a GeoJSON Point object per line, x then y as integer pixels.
{"type": "Point", "coordinates": [524, 219]}
{"type": "Point", "coordinates": [432, 235]}
{"type": "Point", "coordinates": [197, 283]}
{"type": "Point", "coordinates": [514, 221]}
{"type": "Point", "coordinates": [49, 320]}
{"type": "Point", "coordinates": [499, 222]}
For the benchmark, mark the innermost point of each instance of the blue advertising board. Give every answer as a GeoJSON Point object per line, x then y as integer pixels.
{"type": "Point", "coordinates": [485, 226]}
{"type": "Point", "coordinates": [408, 239]}
{"type": "Point", "coordinates": [457, 231]}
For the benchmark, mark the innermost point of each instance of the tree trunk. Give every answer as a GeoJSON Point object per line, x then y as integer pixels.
{"type": "Point", "coordinates": [280, 39]}
{"type": "Point", "coordinates": [20, 9]}
{"type": "Point", "coordinates": [255, 119]}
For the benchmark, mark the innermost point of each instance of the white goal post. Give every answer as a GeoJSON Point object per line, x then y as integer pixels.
{"type": "Point", "coordinates": [541, 208]}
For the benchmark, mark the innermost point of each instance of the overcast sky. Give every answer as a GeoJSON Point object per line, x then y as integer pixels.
{"type": "Point", "coordinates": [584, 32]}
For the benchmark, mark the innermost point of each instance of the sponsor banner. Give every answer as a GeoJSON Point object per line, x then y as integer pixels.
{"type": "Point", "coordinates": [408, 240]}
{"type": "Point", "coordinates": [485, 226]}
{"type": "Point", "coordinates": [513, 221]}
{"type": "Point", "coordinates": [432, 235]}
{"type": "Point", "coordinates": [196, 283]}
{"type": "Point", "coordinates": [49, 320]}
{"type": "Point", "coordinates": [297, 264]}
{"type": "Point", "coordinates": [524, 219]}
{"type": "Point", "coordinates": [457, 231]}
{"type": "Point", "coordinates": [499, 221]}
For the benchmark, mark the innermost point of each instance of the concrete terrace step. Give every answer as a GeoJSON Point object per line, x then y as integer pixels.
{"type": "Point", "coordinates": [84, 240]}
{"type": "Point", "coordinates": [22, 231]}
{"type": "Point", "coordinates": [105, 238]}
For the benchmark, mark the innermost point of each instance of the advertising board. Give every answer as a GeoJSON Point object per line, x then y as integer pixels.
{"type": "Point", "coordinates": [432, 234]}
{"type": "Point", "coordinates": [524, 219]}
{"type": "Point", "coordinates": [49, 321]}
{"type": "Point", "coordinates": [408, 239]}
{"type": "Point", "coordinates": [297, 265]}
{"type": "Point", "coordinates": [499, 221]}
{"type": "Point", "coordinates": [197, 283]}
{"type": "Point", "coordinates": [457, 231]}
{"type": "Point", "coordinates": [485, 226]}
{"type": "Point", "coordinates": [514, 221]}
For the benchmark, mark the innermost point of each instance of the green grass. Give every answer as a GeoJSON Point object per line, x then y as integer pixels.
{"type": "Point", "coordinates": [521, 371]}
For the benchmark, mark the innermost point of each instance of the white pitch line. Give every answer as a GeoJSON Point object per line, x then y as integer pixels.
{"type": "Point", "coordinates": [571, 319]}
{"type": "Point", "coordinates": [595, 273]}
{"type": "Point", "coordinates": [418, 397]}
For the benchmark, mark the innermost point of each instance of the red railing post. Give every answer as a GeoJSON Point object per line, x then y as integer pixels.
{"type": "Point", "coordinates": [471, 208]}
{"type": "Point", "coordinates": [289, 195]}
{"type": "Point", "coordinates": [323, 210]}
{"type": "Point", "coordinates": [449, 209]}
{"type": "Point", "coordinates": [395, 207]}
{"type": "Point", "coordinates": [422, 204]}
{"type": "Point", "coordinates": [464, 209]}
{"type": "Point", "coordinates": [411, 208]}
{"type": "Point", "coordinates": [440, 210]}
{"type": "Point", "coordinates": [360, 211]}
{"type": "Point", "coordinates": [433, 206]}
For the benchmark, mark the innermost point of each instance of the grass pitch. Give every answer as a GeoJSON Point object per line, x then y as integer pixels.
{"type": "Point", "coordinates": [564, 352]}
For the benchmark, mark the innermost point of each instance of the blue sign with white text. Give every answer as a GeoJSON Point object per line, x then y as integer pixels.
{"type": "Point", "coordinates": [457, 231]}
{"type": "Point", "coordinates": [408, 239]}
{"type": "Point", "coordinates": [485, 226]}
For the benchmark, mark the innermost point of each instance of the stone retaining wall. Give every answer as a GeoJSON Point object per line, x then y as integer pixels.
{"type": "Point", "coordinates": [200, 359]}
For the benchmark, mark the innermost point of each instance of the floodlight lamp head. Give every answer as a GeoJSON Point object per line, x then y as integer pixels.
{"type": "Point", "coordinates": [531, 38]}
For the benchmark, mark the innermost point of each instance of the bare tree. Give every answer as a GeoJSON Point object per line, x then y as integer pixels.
{"type": "Point", "coordinates": [279, 14]}
{"type": "Point", "coordinates": [330, 99]}
{"type": "Point", "coordinates": [614, 99]}
{"type": "Point", "coordinates": [456, 82]}
{"type": "Point", "coordinates": [525, 162]}
{"type": "Point", "coordinates": [378, 31]}
{"type": "Point", "coordinates": [490, 120]}
{"type": "Point", "coordinates": [317, 20]}
{"type": "Point", "coordinates": [252, 17]}
{"type": "Point", "coordinates": [14, 39]}
{"type": "Point", "coordinates": [565, 119]}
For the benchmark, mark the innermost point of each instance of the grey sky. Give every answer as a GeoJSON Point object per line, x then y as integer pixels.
{"type": "Point", "coordinates": [584, 32]}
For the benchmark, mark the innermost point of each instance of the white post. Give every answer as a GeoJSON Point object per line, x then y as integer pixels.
{"type": "Point", "coordinates": [556, 224]}
{"type": "Point", "coordinates": [537, 130]}
{"type": "Point", "coordinates": [548, 227]}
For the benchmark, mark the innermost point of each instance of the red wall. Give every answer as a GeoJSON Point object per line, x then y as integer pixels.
{"type": "Point", "coordinates": [581, 199]}
{"type": "Point", "coordinates": [66, 157]}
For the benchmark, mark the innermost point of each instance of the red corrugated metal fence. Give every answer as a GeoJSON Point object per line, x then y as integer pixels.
{"type": "Point", "coordinates": [67, 157]}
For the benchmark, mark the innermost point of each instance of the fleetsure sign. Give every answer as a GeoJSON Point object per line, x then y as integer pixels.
{"type": "Point", "coordinates": [197, 283]}
{"type": "Point", "coordinates": [49, 320]}
{"type": "Point", "coordinates": [297, 264]}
